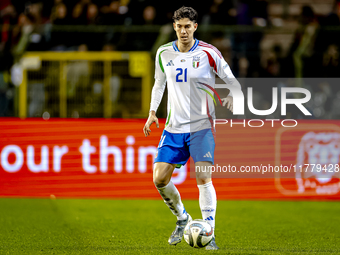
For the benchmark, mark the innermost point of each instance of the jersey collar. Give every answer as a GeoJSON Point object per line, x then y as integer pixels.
{"type": "Point", "coordinates": [192, 48]}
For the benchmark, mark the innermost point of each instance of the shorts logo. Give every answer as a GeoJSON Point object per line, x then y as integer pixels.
{"type": "Point", "coordinates": [196, 62]}
{"type": "Point", "coordinates": [207, 155]}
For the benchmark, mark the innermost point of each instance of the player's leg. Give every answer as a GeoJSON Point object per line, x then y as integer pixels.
{"type": "Point", "coordinates": [202, 146]}
{"type": "Point", "coordinates": [162, 173]}
{"type": "Point", "coordinates": [207, 193]}
{"type": "Point", "coordinates": [171, 151]}
{"type": "Point", "coordinates": [207, 197]}
{"type": "Point", "coordinates": [162, 179]}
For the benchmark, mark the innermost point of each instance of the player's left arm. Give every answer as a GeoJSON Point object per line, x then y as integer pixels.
{"type": "Point", "coordinates": [225, 73]}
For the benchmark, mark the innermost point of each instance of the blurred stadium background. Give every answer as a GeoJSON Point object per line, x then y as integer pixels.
{"type": "Point", "coordinates": [279, 38]}
{"type": "Point", "coordinates": [75, 87]}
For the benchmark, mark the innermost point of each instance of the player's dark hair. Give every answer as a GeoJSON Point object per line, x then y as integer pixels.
{"type": "Point", "coordinates": [185, 12]}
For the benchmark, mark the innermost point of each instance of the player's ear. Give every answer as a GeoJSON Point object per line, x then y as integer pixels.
{"type": "Point", "coordinates": [195, 26]}
{"type": "Point", "coordinates": [174, 26]}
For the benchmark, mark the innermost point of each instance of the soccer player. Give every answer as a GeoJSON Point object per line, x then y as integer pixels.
{"type": "Point", "coordinates": [188, 66]}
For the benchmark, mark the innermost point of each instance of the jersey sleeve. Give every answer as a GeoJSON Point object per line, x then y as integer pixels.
{"type": "Point", "coordinates": [224, 72]}
{"type": "Point", "coordinates": [160, 82]}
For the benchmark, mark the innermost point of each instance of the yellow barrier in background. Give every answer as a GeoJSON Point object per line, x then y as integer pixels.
{"type": "Point", "coordinates": [85, 84]}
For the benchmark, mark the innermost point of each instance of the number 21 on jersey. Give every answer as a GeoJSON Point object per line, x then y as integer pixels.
{"type": "Point", "coordinates": [179, 76]}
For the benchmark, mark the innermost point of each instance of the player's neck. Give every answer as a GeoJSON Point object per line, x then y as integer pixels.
{"type": "Point", "coordinates": [185, 47]}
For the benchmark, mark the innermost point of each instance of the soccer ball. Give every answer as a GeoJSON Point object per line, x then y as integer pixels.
{"type": "Point", "coordinates": [198, 233]}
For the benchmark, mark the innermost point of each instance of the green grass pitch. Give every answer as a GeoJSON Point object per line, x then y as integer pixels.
{"type": "Point", "coordinates": [85, 226]}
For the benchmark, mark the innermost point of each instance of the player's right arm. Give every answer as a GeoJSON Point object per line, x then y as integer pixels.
{"type": "Point", "coordinates": [152, 118]}
{"type": "Point", "coordinates": [157, 93]}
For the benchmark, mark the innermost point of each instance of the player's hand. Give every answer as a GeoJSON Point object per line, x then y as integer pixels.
{"type": "Point", "coordinates": [152, 118]}
{"type": "Point", "coordinates": [229, 102]}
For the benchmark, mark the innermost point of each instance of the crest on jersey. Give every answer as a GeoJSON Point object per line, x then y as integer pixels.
{"type": "Point", "coordinates": [196, 61]}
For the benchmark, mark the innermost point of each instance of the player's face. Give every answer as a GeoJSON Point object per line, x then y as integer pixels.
{"type": "Point", "coordinates": [185, 29]}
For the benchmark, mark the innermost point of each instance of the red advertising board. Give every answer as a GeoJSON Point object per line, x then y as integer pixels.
{"type": "Point", "coordinates": [99, 158]}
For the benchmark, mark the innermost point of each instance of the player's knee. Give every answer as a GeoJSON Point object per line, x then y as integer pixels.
{"type": "Point", "coordinates": [202, 180]}
{"type": "Point", "coordinates": [203, 177]}
{"type": "Point", "coordinates": [162, 175]}
{"type": "Point", "coordinates": [160, 182]}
